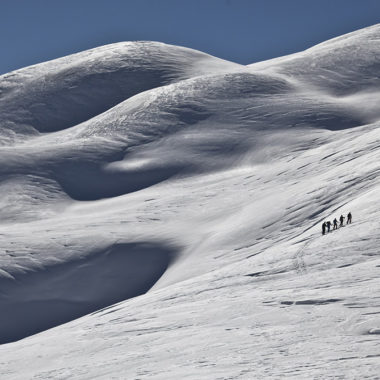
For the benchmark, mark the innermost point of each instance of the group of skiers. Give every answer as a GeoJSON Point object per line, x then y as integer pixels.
{"type": "Point", "coordinates": [326, 226]}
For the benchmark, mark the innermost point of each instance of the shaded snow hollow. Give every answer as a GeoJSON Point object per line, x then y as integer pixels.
{"type": "Point", "coordinates": [173, 200]}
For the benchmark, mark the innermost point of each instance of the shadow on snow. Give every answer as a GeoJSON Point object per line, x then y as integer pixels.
{"type": "Point", "coordinates": [40, 300]}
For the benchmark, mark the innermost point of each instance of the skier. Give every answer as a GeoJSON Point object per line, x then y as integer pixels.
{"type": "Point", "coordinates": [341, 220]}
{"type": "Point", "coordinates": [335, 224]}
{"type": "Point", "coordinates": [323, 228]}
{"type": "Point", "coordinates": [349, 218]}
{"type": "Point", "coordinates": [328, 225]}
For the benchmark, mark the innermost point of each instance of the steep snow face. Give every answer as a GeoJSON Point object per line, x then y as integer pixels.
{"type": "Point", "coordinates": [201, 189]}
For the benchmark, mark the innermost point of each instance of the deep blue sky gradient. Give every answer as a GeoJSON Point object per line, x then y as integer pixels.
{"type": "Point", "coordinates": [243, 31]}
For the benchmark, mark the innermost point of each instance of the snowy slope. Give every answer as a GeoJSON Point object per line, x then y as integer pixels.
{"type": "Point", "coordinates": [198, 185]}
{"type": "Point", "coordinates": [342, 66]}
{"type": "Point", "coordinates": [64, 92]}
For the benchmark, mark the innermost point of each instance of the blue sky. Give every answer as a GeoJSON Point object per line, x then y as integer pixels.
{"type": "Point", "coordinates": [242, 31]}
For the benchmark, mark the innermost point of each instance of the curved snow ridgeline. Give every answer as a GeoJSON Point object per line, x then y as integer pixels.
{"type": "Point", "coordinates": [62, 93]}
{"type": "Point", "coordinates": [173, 200]}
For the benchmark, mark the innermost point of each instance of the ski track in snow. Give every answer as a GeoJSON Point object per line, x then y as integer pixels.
{"type": "Point", "coordinates": [161, 212]}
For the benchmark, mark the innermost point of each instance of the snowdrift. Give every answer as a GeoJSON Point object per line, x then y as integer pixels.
{"type": "Point", "coordinates": [190, 191]}
{"type": "Point", "coordinates": [62, 93]}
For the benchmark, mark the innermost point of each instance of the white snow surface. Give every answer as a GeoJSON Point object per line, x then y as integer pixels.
{"type": "Point", "coordinates": [161, 215]}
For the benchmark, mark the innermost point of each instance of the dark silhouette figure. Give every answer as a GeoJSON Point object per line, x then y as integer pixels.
{"type": "Point", "coordinates": [341, 219]}
{"type": "Point", "coordinates": [349, 218]}
{"type": "Point", "coordinates": [323, 228]}
{"type": "Point", "coordinates": [335, 224]}
{"type": "Point", "coordinates": [328, 225]}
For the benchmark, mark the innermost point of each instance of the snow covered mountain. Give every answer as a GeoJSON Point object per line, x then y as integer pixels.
{"type": "Point", "coordinates": [174, 202]}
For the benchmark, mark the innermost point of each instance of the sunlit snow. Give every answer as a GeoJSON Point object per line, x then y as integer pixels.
{"type": "Point", "coordinates": [161, 214]}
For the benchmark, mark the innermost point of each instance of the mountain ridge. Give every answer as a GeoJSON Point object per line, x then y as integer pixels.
{"type": "Point", "coordinates": [200, 200]}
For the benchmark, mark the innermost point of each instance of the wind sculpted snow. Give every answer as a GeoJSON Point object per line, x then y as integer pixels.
{"type": "Point", "coordinates": [59, 292]}
{"type": "Point", "coordinates": [62, 93]}
{"type": "Point", "coordinates": [191, 190]}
